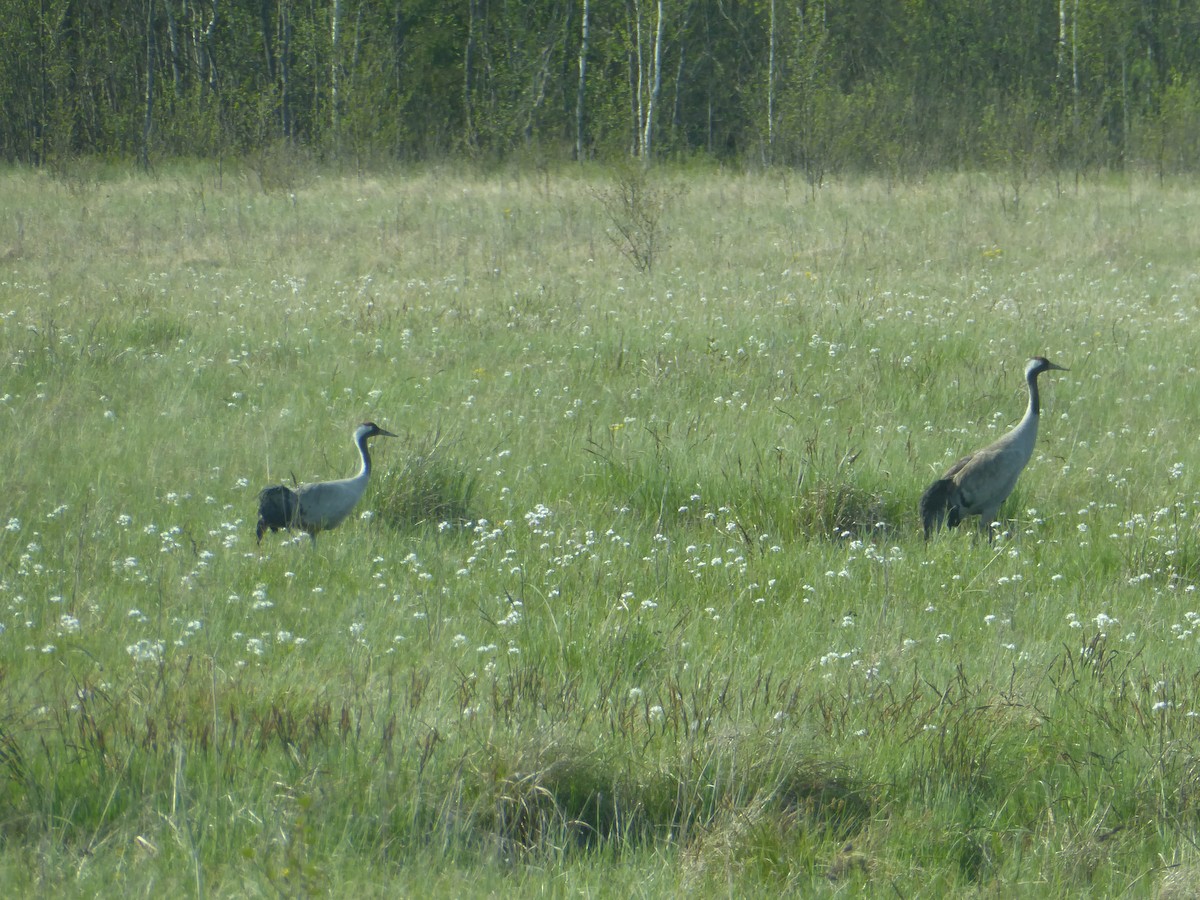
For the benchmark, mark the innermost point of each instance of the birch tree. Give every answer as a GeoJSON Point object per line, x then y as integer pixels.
{"type": "Point", "coordinates": [655, 88]}
{"type": "Point", "coordinates": [148, 117]}
{"type": "Point", "coordinates": [771, 86]}
{"type": "Point", "coordinates": [581, 94]}
{"type": "Point", "coordinates": [335, 65]}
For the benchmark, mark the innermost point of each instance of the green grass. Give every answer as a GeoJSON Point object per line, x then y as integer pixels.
{"type": "Point", "coordinates": [639, 602]}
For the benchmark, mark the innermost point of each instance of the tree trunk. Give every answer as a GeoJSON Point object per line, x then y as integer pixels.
{"type": "Point", "coordinates": [680, 69]}
{"type": "Point", "coordinates": [656, 87]}
{"type": "Point", "coordinates": [468, 86]}
{"type": "Point", "coordinates": [1075, 65]}
{"type": "Point", "coordinates": [285, 69]}
{"type": "Point", "coordinates": [335, 68]}
{"type": "Point", "coordinates": [268, 30]}
{"type": "Point", "coordinates": [771, 89]}
{"type": "Point", "coordinates": [677, 101]}
{"type": "Point", "coordinates": [639, 111]}
{"type": "Point", "coordinates": [208, 61]}
{"type": "Point", "coordinates": [148, 119]}
{"type": "Point", "coordinates": [581, 94]}
{"type": "Point", "coordinates": [176, 52]}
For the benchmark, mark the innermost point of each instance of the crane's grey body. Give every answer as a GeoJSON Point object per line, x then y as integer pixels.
{"type": "Point", "coordinates": [978, 484]}
{"type": "Point", "coordinates": [320, 505]}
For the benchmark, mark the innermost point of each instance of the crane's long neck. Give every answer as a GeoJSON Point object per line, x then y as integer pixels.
{"type": "Point", "coordinates": [365, 470]}
{"type": "Point", "coordinates": [1035, 404]}
{"type": "Point", "coordinates": [1025, 433]}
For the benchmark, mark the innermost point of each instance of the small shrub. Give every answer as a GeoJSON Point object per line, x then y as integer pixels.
{"type": "Point", "coordinates": [635, 208]}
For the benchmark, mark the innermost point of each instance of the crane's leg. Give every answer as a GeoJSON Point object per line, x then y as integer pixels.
{"type": "Point", "coordinates": [986, 520]}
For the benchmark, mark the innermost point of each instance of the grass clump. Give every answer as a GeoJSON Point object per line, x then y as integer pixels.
{"type": "Point", "coordinates": [788, 822]}
{"type": "Point", "coordinates": [429, 488]}
{"type": "Point", "coordinates": [547, 798]}
{"type": "Point", "coordinates": [846, 510]}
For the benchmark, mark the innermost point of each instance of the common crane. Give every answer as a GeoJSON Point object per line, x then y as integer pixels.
{"type": "Point", "coordinates": [979, 483]}
{"type": "Point", "coordinates": [320, 505]}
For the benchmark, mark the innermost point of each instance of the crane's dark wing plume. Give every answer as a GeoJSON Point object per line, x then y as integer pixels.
{"type": "Point", "coordinates": [278, 506]}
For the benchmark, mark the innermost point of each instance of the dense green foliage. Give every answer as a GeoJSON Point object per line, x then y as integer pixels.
{"type": "Point", "coordinates": [852, 85]}
{"type": "Point", "coordinates": [639, 604]}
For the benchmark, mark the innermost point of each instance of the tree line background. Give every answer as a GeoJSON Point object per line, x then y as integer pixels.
{"type": "Point", "coordinates": [899, 86]}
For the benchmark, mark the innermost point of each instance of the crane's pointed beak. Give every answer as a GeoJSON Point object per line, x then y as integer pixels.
{"type": "Point", "coordinates": [385, 433]}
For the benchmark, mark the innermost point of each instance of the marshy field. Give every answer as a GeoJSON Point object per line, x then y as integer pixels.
{"type": "Point", "coordinates": [637, 603]}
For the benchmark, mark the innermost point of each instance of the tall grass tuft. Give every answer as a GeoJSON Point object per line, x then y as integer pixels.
{"type": "Point", "coordinates": [429, 488]}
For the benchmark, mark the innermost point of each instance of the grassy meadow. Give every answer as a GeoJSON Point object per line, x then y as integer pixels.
{"type": "Point", "coordinates": [638, 603]}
